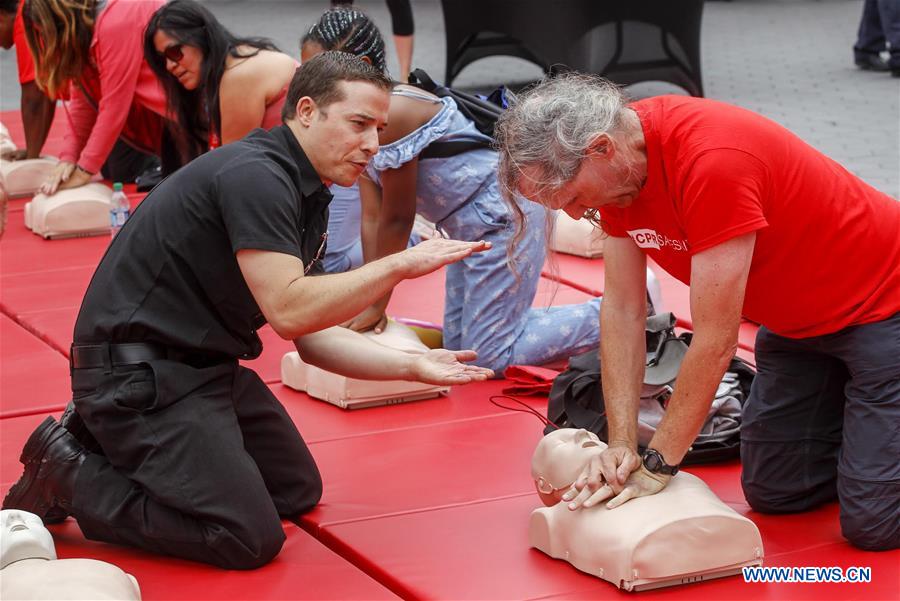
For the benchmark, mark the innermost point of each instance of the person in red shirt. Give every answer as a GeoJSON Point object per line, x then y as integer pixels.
{"type": "Point", "coordinates": [759, 224]}
{"type": "Point", "coordinates": [117, 104]}
{"type": "Point", "coordinates": [37, 109]}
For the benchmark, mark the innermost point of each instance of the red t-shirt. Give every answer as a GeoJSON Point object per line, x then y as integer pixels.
{"type": "Point", "coordinates": [827, 252]}
{"type": "Point", "coordinates": [23, 54]}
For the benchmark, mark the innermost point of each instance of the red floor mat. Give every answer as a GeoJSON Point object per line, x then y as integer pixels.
{"type": "Point", "coordinates": [305, 569]}
{"type": "Point", "coordinates": [483, 554]}
{"type": "Point", "coordinates": [422, 468]}
{"type": "Point", "coordinates": [34, 378]}
{"type": "Point", "coordinates": [52, 146]}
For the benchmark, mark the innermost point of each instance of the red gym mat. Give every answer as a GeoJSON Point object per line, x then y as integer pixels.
{"type": "Point", "coordinates": [480, 551]}
{"type": "Point", "coordinates": [13, 122]}
{"type": "Point", "coordinates": [423, 468]}
{"type": "Point", "coordinates": [578, 272]}
{"type": "Point", "coordinates": [319, 421]}
{"type": "Point", "coordinates": [305, 569]}
{"type": "Point", "coordinates": [34, 378]}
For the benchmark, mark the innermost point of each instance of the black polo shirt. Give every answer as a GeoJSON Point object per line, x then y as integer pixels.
{"type": "Point", "coordinates": [171, 275]}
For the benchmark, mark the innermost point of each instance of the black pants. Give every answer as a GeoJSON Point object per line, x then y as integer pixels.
{"type": "Point", "coordinates": [199, 463]}
{"type": "Point", "coordinates": [821, 424]}
{"type": "Point", "coordinates": [125, 163]}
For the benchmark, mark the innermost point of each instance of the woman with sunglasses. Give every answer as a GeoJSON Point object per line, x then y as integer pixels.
{"type": "Point", "coordinates": [487, 302]}
{"type": "Point", "coordinates": [93, 48]}
{"type": "Point", "coordinates": [218, 86]}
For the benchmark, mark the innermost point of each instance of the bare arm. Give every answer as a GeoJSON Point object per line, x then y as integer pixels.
{"type": "Point", "coordinates": [718, 281]}
{"type": "Point", "coordinates": [351, 354]}
{"type": "Point", "coordinates": [623, 315]}
{"type": "Point", "coordinates": [296, 305]}
{"type": "Point", "coordinates": [388, 216]}
{"type": "Point", "coordinates": [37, 116]}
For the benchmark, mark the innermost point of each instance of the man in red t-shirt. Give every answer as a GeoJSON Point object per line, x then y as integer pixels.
{"type": "Point", "coordinates": [37, 108]}
{"type": "Point", "coordinates": [759, 224]}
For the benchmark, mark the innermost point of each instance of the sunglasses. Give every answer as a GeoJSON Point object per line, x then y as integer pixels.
{"type": "Point", "coordinates": [174, 53]}
{"type": "Point", "coordinates": [318, 254]}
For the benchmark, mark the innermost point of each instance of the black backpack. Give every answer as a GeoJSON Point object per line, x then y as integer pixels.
{"type": "Point", "coordinates": [576, 398]}
{"type": "Point", "coordinates": [482, 112]}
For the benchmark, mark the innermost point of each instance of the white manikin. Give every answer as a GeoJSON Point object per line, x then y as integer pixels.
{"type": "Point", "coordinates": [682, 534]}
{"type": "Point", "coordinates": [29, 568]}
{"type": "Point", "coordinates": [24, 178]}
{"type": "Point", "coordinates": [82, 211]}
{"type": "Point", "coordinates": [351, 393]}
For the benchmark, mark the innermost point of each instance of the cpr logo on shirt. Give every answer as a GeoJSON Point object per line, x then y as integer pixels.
{"type": "Point", "coordinates": [647, 238]}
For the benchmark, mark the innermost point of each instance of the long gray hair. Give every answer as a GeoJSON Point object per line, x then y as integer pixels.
{"type": "Point", "coordinates": [548, 131]}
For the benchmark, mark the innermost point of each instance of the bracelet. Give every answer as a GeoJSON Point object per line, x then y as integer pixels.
{"type": "Point", "coordinates": [83, 170]}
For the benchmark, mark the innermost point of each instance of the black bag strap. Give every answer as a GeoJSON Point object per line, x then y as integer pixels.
{"type": "Point", "coordinates": [443, 150]}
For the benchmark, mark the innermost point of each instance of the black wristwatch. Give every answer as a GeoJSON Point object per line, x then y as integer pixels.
{"type": "Point", "coordinates": [654, 462]}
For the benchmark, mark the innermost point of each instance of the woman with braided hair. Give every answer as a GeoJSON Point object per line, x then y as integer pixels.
{"type": "Point", "coordinates": [218, 86]}
{"type": "Point", "coordinates": [487, 302]}
{"type": "Point", "coordinates": [402, 27]}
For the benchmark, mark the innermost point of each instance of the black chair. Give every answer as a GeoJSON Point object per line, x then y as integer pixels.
{"type": "Point", "coordinates": [626, 40]}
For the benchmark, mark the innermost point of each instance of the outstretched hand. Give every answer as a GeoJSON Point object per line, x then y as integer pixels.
{"type": "Point", "coordinates": [431, 255]}
{"type": "Point", "coordinates": [444, 368]}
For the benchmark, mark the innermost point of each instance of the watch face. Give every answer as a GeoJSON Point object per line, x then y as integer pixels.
{"type": "Point", "coordinates": [652, 462]}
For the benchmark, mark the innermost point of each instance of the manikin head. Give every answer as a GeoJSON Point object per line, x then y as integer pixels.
{"type": "Point", "coordinates": [23, 536]}
{"type": "Point", "coordinates": [559, 459]}
{"type": "Point", "coordinates": [336, 106]}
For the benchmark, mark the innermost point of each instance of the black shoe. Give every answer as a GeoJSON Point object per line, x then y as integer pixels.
{"type": "Point", "coordinates": [52, 458]}
{"type": "Point", "coordinates": [871, 62]}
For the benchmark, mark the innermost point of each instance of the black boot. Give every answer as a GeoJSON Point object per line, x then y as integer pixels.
{"type": "Point", "coordinates": [52, 459]}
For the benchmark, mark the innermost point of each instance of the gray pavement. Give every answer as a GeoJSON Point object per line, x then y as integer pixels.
{"type": "Point", "coordinates": [790, 60]}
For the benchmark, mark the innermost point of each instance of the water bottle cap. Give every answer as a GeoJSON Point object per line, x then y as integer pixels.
{"type": "Point", "coordinates": [117, 187]}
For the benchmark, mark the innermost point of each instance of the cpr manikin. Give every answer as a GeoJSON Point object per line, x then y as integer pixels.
{"type": "Point", "coordinates": [81, 211]}
{"type": "Point", "coordinates": [682, 534]}
{"type": "Point", "coordinates": [29, 568]}
{"type": "Point", "coordinates": [24, 178]}
{"type": "Point", "coordinates": [351, 393]}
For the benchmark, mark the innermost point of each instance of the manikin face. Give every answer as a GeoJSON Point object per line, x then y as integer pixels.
{"type": "Point", "coordinates": [342, 137]}
{"type": "Point", "coordinates": [184, 62]}
{"type": "Point", "coordinates": [559, 459]}
{"type": "Point", "coordinates": [23, 536]}
{"type": "Point", "coordinates": [604, 178]}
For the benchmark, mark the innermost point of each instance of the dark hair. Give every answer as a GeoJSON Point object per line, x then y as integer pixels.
{"type": "Point", "coordinates": [9, 6]}
{"type": "Point", "coordinates": [348, 30]}
{"type": "Point", "coordinates": [319, 77]}
{"type": "Point", "coordinates": [197, 111]}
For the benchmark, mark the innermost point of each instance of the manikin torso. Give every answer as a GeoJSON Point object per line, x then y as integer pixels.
{"type": "Point", "coordinates": [682, 534]}
{"type": "Point", "coordinates": [30, 569]}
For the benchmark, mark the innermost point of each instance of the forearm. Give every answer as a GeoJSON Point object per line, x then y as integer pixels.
{"type": "Point", "coordinates": [351, 354]}
{"type": "Point", "coordinates": [315, 303]}
{"type": "Point", "coordinates": [699, 377]}
{"type": "Point", "coordinates": [37, 116]}
{"type": "Point", "coordinates": [623, 354]}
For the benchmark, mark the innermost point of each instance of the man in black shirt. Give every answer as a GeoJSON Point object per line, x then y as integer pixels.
{"type": "Point", "coordinates": [194, 456]}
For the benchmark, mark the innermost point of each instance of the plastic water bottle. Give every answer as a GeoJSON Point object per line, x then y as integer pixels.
{"type": "Point", "coordinates": [119, 209]}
